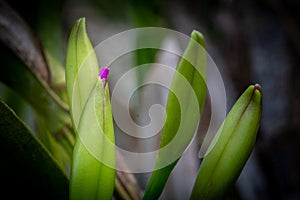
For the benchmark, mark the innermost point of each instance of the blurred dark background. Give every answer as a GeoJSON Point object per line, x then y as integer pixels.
{"type": "Point", "coordinates": [250, 41]}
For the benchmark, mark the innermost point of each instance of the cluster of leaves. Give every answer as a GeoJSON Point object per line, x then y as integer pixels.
{"type": "Point", "coordinates": [91, 112]}
{"type": "Point", "coordinates": [46, 157]}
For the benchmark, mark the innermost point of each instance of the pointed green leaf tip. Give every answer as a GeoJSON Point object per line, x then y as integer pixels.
{"type": "Point", "coordinates": [81, 69]}
{"type": "Point", "coordinates": [231, 147]}
{"type": "Point", "coordinates": [198, 37]}
{"type": "Point", "coordinates": [184, 106]}
{"type": "Point", "coordinates": [92, 120]}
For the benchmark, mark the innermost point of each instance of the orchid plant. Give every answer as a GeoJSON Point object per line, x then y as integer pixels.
{"type": "Point", "coordinates": [220, 168]}
{"type": "Point", "coordinates": [65, 157]}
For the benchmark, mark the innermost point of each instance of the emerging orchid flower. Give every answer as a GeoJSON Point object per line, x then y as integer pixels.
{"type": "Point", "coordinates": [104, 71]}
{"type": "Point", "coordinates": [90, 107]}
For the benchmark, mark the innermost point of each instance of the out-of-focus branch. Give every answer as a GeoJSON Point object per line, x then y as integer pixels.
{"type": "Point", "coordinates": [127, 187]}
{"type": "Point", "coordinates": [17, 35]}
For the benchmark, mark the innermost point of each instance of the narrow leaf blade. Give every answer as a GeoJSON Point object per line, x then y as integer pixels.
{"type": "Point", "coordinates": [93, 171]}
{"type": "Point", "coordinates": [81, 69]}
{"type": "Point", "coordinates": [185, 103]}
{"type": "Point", "coordinates": [93, 167]}
{"type": "Point", "coordinates": [28, 166]}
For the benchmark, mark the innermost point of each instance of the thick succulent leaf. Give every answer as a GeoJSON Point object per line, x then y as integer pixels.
{"type": "Point", "coordinates": [231, 147]}
{"type": "Point", "coordinates": [93, 172]}
{"type": "Point", "coordinates": [81, 69]}
{"type": "Point", "coordinates": [93, 166]}
{"type": "Point", "coordinates": [28, 169]}
{"type": "Point", "coordinates": [185, 103]}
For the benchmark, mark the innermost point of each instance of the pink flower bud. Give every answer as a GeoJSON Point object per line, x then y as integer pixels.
{"type": "Point", "coordinates": [104, 72]}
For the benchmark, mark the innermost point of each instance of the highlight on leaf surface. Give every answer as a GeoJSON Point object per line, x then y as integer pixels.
{"type": "Point", "coordinates": [231, 147]}
{"type": "Point", "coordinates": [184, 106]}
{"type": "Point", "coordinates": [91, 116]}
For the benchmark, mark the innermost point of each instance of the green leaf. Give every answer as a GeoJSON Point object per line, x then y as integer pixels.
{"type": "Point", "coordinates": [231, 147]}
{"type": "Point", "coordinates": [59, 146]}
{"type": "Point", "coordinates": [81, 69]}
{"type": "Point", "coordinates": [49, 109]}
{"type": "Point", "coordinates": [28, 169]}
{"type": "Point", "coordinates": [24, 82]}
{"type": "Point", "coordinates": [51, 35]}
{"type": "Point", "coordinates": [185, 103]}
{"type": "Point", "coordinates": [93, 168]}
{"type": "Point", "coordinates": [91, 178]}
{"type": "Point", "coordinates": [31, 82]}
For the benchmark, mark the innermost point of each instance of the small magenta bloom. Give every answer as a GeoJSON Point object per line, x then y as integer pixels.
{"type": "Point", "coordinates": [104, 73]}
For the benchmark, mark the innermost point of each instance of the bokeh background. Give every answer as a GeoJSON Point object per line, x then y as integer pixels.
{"type": "Point", "coordinates": [250, 42]}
